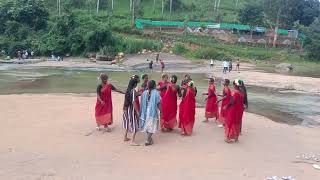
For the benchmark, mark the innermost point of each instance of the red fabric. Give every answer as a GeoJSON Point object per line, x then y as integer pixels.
{"type": "Point", "coordinates": [223, 113]}
{"type": "Point", "coordinates": [188, 111]}
{"type": "Point", "coordinates": [103, 113]}
{"type": "Point", "coordinates": [138, 103]}
{"type": "Point", "coordinates": [169, 107]}
{"type": "Point", "coordinates": [162, 64]}
{"type": "Point", "coordinates": [212, 109]}
{"type": "Point", "coordinates": [160, 84]}
{"type": "Point", "coordinates": [234, 117]}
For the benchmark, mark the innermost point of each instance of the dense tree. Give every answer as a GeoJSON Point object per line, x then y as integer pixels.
{"type": "Point", "coordinates": [304, 11]}
{"type": "Point", "coordinates": [32, 13]}
{"type": "Point", "coordinates": [252, 15]}
{"type": "Point", "coordinates": [173, 5]}
{"type": "Point", "coordinates": [313, 47]}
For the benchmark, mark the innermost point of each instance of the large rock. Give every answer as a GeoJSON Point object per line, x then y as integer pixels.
{"type": "Point", "coordinates": [104, 58]}
{"type": "Point", "coordinates": [284, 67]}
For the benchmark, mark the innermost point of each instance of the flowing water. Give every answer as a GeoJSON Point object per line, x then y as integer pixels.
{"type": "Point", "coordinates": [284, 107]}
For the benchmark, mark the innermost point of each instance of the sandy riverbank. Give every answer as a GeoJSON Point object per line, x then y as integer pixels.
{"type": "Point", "coordinates": [178, 64]}
{"type": "Point", "coordinates": [49, 137]}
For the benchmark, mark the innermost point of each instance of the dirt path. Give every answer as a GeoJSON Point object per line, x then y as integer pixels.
{"type": "Point", "coordinates": [53, 137]}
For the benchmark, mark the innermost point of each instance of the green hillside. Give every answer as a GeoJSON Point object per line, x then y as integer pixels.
{"type": "Point", "coordinates": [198, 10]}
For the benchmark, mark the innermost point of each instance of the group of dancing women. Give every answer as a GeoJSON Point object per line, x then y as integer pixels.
{"type": "Point", "coordinates": [152, 106]}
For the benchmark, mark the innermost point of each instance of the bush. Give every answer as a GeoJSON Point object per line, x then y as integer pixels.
{"type": "Point", "coordinates": [76, 43]}
{"type": "Point", "coordinates": [97, 39]}
{"type": "Point", "coordinates": [136, 45]}
{"type": "Point", "coordinates": [179, 49]}
{"type": "Point", "coordinates": [209, 53]}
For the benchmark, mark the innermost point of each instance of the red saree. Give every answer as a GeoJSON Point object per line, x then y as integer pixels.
{"type": "Point", "coordinates": [169, 107]}
{"type": "Point", "coordinates": [160, 84]}
{"type": "Point", "coordinates": [234, 117]}
{"type": "Point", "coordinates": [187, 111]}
{"type": "Point", "coordinates": [212, 110]}
{"type": "Point", "coordinates": [103, 113]}
{"type": "Point", "coordinates": [223, 113]}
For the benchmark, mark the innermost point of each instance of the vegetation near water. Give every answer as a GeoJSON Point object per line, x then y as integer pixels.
{"type": "Point", "coordinates": [78, 27]}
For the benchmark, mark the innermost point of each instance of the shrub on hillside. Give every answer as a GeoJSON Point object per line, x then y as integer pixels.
{"type": "Point", "coordinates": [99, 38]}
{"type": "Point", "coordinates": [209, 53]}
{"type": "Point", "coordinates": [179, 49]}
{"type": "Point", "coordinates": [135, 45]}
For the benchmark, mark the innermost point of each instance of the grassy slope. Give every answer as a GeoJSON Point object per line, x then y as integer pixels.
{"type": "Point", "coordinates": [202, 12]}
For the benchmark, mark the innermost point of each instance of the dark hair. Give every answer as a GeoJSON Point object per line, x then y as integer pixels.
{"type": "Point", "coordinates": [128, 96]}
{"type": "Point", "coordinates": [227, 81]}
{"type": "Point", "coordinates": [144, 76]}
{"type": "Point", "coordinates": [175, 78]}
{"type": "Point", "coordinates": [151, 85]}
{"type": "Point", "coordinates": [136, 77]}
{"type": "Point", "coordinates": [104, 77]}
{"type": "Point", "coordinates": [211, 80]}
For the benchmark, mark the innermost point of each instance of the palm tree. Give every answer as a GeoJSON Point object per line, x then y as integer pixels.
{"type": "Point", "coordinates": [59, 6]}
{"type": "Point", "coordinates": [98, 4]}
{"type": "Point", "coordinates": [162, 11]}
{"type": "Point", "coordinates": [112, 3]}
{"type": "Point", "coordinates": [132, 6]}
{"type": "Point", "coordinates": [170, 8]}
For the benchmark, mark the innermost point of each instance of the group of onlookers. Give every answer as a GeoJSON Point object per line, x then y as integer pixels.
{"type": "Point", "coordinates": [25, 54]}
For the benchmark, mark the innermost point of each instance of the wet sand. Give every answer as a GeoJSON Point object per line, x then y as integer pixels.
{"type": "Point", "coordinates": [178, 64]}
{"type": "Point", "coordinates": [52, 136]}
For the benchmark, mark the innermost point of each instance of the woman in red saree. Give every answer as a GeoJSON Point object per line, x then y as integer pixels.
{"type": "Point", "coordinates": [164, 82]}
{"type": "Point", "coordinates": [235, 110]}
{"type": "Point", "coordinates": [169, 100]}
{"type": "Point", "coordinates": [243, 89]}
{"type": "Point", "coordinates": [211, 105]}
{"type": "Point", "coordinates": [188, 109]}
{"type": "Point", "coordinates": [103, 109]}
{"type": "Point", "coordinates": [226, 94]}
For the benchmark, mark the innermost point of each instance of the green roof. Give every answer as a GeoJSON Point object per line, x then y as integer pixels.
{"type": "Point", "coordinates": [140, 23]}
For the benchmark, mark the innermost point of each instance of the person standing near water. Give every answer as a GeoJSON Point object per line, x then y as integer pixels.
{"type": "Point", "coordinates": [211, 63]}
{"type": "Point", "coordinates": [157, 57]}
{"type": "Point", "coordinates": [226, 95]}
{"type": "Point", "coordinates": [169, 104]}
{"type": "Point", "coordinates": [212, 110]}
{"type": "Point", "coordinates": [238, 65]}
{"type": "Point", "coordinates": [230, 65]}
{"type": "Point", "coordinates": [103, 109]}
{"type": "Point", "coordinates": [162, 65]}
{"type": "Point", "coordinates": [151, 65]}
{"type": "Point", "coordinates": [235, 112]}
{"type": "Point", "coordinates": [225, 65]}
{"type": "Point", "coordinates": [188, 109]}
{"type": "Point", "coordinates": [131, 111]}
{"type": "Point", "coordinates": [150, 108]}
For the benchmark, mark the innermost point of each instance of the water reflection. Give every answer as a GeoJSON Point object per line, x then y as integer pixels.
{"type": "Point", "coordinates": [290, 108]}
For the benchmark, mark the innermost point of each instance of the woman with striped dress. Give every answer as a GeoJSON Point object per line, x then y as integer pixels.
{"type": "Point", "coordinates": [131, 111]}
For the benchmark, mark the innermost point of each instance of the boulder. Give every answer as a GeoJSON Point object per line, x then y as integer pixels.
{"type": "Point", "coordinates": [262, 41]}
{"type": "Point", "coordinates": [144, 51]}
{"type": "Point", "coordinates": [104, 58]}
{"type": "Point", "coordinates": [284, 67]}
{"type": "Point", "coordinates": [121, 54]}
{"type": "Point", "coordinates": [286, 42]}
{"type": "Point", "coordinates": [242, 40]}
